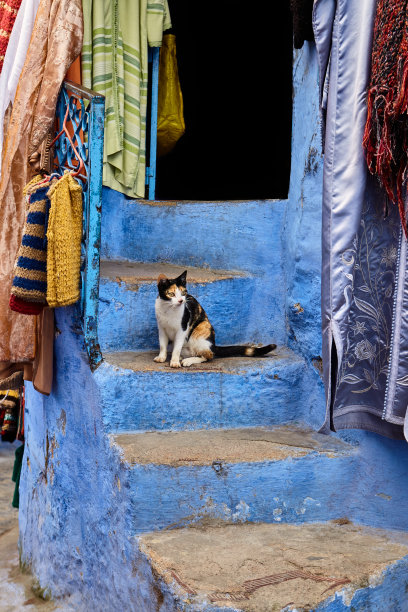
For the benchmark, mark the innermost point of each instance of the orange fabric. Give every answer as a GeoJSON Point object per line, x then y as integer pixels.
{"type": "Point", "coordinates": [55, 42]}
{"type": "Point", "coordinates": [74, 72]}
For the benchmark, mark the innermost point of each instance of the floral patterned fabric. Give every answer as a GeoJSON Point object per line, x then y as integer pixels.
{"type": "Point", "coordinates": [364, 277]}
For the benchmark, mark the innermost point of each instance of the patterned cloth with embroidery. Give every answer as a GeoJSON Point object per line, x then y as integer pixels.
{"type": "Point", "coordinates": [8, 14]}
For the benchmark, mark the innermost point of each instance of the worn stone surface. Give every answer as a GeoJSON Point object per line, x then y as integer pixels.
{"type": "Point", "coordinates": [135, 272]}
{"type": "Point", "coordinates": [203, 447]}
{"type": "Point", "coordinates": [144, 362]}
{"type": "Point", "coordinates": [214, 563]}
{"type": "Point", "coordinates": [8, 514]}
{"type": "Point", "coordinates": [233, 392]}
{"type": "Point", "coordinates": [16, 587]}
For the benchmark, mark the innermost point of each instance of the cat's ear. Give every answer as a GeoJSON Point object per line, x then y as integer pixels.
{"type": "Point", "coordinates": [162, 279]}
{"type": "Point", "coordinates": [182, 279]}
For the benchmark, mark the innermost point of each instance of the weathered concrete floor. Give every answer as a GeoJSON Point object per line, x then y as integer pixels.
{"type": "Point", "coordinates": [16, 592]}
{"type": "Point", "coordinates": [226, 564]}
{"type": "Point", "coordinates": [135, 273]}
{"type": "Point", "coordinates": [203, 447]}
{"type": "Point", "coordinates": [143, 362]}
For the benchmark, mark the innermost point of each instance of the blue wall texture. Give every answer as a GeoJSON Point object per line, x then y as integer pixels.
{"type": "Point", "coordinates": [77, 513]}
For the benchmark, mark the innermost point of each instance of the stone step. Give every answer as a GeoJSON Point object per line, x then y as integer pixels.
{"type": "Point", "coordinates": [140, 395]}
{"type": "Point", "coordinates": [288, 474]}
{"type": "Point", "coordinates": [330, 567]}
{"type": "Point", "coordinates": [243, 236]}
{"type": "Point", "coordinates": [128, 292]}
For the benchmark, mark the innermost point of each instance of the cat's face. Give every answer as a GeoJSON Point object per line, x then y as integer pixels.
{"type": "Point", "coordinates": [173, 290]}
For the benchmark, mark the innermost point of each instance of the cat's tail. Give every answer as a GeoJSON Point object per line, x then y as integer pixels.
{"type": "Point", "coordinates": [242, 351]}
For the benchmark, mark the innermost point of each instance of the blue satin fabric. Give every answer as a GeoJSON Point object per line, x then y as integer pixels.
{"type": "Point", "coordinates": [364, 288]}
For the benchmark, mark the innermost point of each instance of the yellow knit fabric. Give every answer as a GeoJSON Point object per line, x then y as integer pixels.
{"type": "Point", "coordinates": [64, 242]}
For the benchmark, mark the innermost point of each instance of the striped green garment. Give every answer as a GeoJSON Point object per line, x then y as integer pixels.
{"type": "Point", "coordinates": [115, 63]}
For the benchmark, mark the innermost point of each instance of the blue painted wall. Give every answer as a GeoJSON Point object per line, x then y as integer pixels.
{"type": "Point", "coordinates": [75, 494]}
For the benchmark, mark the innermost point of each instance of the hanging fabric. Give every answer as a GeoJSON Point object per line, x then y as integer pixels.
{"type": "Point", "coordinates": [386, 130]}
{"type": "Point", "coordinates": [115, 64]}
{"type": "Point", "coordinates": [15, 57]}
{"type": "Point", "coordinates": [8, 14]}
{"type": "Point", "coordinates": [364, 276]}
{"type": "Point", "coordinates": [56, 41]}
{"type": "Point", "coordinates": [29, 287]}
{"type": "Point", "coordinates": [170, 114]}
{"type": "Point", "coordinates": [64, 235]}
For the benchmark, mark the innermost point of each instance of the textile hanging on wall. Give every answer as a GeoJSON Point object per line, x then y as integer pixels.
{"type": "Point", "coordinates": [115, 63]}
{"type": "Point", "coordinates": [364, 272]}
{"type": "Point", "coordinates": [386, 131]}
{"type": "Point", "coordinates": [15, 57]}
{"type": "Point", "coordinates": [64, 235]}
{"type": "Point", "coordinates": [8, 14]}
{"type": "Point", "coordinates": [56, 41]}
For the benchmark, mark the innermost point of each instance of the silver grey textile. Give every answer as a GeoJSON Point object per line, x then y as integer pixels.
{"type": "Point", "coordinates": [364, 271]}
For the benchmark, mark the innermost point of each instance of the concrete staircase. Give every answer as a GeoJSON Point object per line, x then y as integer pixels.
{"type": "Point", "coordinates": [232, 499]}
{"type": "Point", "coordinates": [208, 488]}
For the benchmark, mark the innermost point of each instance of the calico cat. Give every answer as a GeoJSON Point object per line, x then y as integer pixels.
{"type": "Point", "coordinates": [182, 320]}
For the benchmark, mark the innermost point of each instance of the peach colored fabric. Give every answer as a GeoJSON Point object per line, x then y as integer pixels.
{"type": "Point", "coordinates": [55, 42]}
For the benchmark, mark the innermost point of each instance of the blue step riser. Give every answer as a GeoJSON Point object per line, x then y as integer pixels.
{"type": "Point", "coordinates": [224, 235]}
{"type": "Point", "coordinates": [187, 400]}
{"type": "Point", "coordinates": [294, 491]}
{"type": "Point", "coordinates": [239, 309]}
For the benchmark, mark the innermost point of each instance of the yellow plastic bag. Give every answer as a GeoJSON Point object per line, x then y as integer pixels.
{"type": "Point", "coordinates": [170, 117]}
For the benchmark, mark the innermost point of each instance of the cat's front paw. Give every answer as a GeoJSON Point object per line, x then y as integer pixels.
{"type": "Point", "coordinates": [160, 358]}
{"type": "Point", "coordinates": [175, 363]}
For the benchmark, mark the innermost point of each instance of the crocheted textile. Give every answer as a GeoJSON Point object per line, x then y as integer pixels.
{"type": "Point", "coordinates": [64, 242]}
{"type": "Point", "coordinates": [30, 275]}
{"type": "Point", "coordinates": [386, 130]}
{"type": "Point", "coordinates": [302, 21]}
{"type": "Point", "coordinates": [8, 14]}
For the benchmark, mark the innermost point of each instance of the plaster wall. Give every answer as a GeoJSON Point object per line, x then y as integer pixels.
{"type": "Point", "coordinates": [75, 518]}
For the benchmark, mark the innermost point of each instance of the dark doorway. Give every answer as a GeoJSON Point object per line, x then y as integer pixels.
{"type": "Point", "coordinates": [235, 67]}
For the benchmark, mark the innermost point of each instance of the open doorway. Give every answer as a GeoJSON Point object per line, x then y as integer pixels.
{"type": "Point", "coordinates": [235, 68]}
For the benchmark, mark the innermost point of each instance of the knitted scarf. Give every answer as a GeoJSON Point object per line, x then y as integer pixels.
{"type": "Point", "coordinates": [386, 131]}
{"type": "Point", "coordinates": [29, 288]}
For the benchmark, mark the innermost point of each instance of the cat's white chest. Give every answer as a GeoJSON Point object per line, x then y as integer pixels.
{"type": "Point", "coordinates": [169, 318]}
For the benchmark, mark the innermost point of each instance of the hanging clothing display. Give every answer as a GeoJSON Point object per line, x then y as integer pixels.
{"type": "Point", "coordinates": [15, 57]}
{"type": "Point", "coordinates": [115, 64]}
{"type": "Point", "coordinates": [56, 41]}
{"type": "Point", "coordinates": [170, 108]}
{"type": "Point", "coordinates": [364, 275]}
{"type": "Point", "coordinates": [386, 131]}
{"type": "Point", "coordinates": [64, 235]}
{"type": "Point", "coordinates": [29, 287]}
{"type": "Point", "coordinates": [8, 14]}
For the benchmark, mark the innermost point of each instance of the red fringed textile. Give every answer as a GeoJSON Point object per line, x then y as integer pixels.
{"type": "Point", "coordinates": [386, 130]}
{"type": "Point", "coordinates": [8, 14]}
